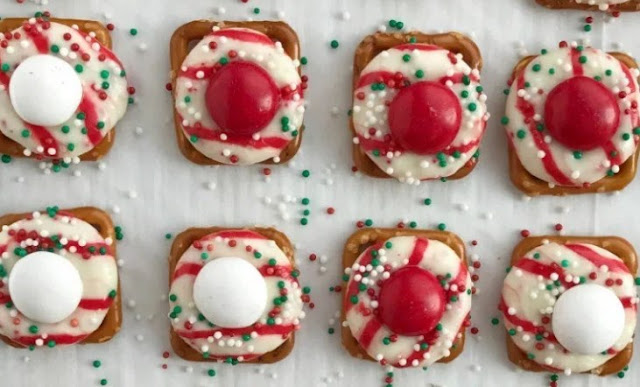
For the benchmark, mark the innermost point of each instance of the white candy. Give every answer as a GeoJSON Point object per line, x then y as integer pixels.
{"type": "Point", "coordinates": [588, 319]}
{"type": "Point", "coordinates": [45, 90]}
{"type": "Point", "coordinates": [230, 292]}
{"type": "Point", "coordinates": [45, 287]}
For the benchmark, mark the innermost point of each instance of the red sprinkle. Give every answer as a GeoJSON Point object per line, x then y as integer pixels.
{"type": "Point", "coordinates": [266, 171]}
{"type": "Point", "coordinates": [165, 354]}
{"type": "Point", "coordinates": [331, 210]}
{"type": "Point", "coordinates": [312, 257]}
{"type": "Point", "coordinates": [111, 27]}
{"type": "Point", "coordinates": [525, 233]}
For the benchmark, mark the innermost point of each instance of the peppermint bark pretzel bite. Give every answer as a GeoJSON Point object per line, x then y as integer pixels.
{"type": "Point", "coordinates": [239, 96]}
{"type": "Point", "coordinates": [419, 111]}
{"type": "Point", "coordinates": [570, 304]}
{"type": "Point", "coordinates": [593, 5]}
{"type": "Point", "coordinates": [234, 295]}
{"type": "Point", "coordinates": [63, 90]}
{"type": "Point", "coordinates": [60, 278]}
{"type": "Point", "coordinates": [572, 121]}
{"type": "Point", "coordinates": [407, 296]}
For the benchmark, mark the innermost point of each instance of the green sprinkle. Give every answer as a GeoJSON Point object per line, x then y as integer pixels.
{"type": "Point", "coordinates": [306, 173]}
{"type": "Point", "coordinates": [442, 226]}
{"type": "Point", "coordinates": [335, 44]}
{"type": "Point", "coordinates": [419, 74]}
{"type": "Point", "coordinates": [504, 120]}
{"type": "Point", "coordinates": [256, 11]}
{"type": "Point", "coordinates": [406, 57]}
{"type": "Point", "coordinates": [103, 382]}
{"type": "Point", "coordinates": [427, 201]}
{"type": "Point", "coordinates": [55, 49]}
{"type": "Point", "coordinates": [211, 372]}
{"type": "Point", "coordinates": [495, 321]}
{"type": "Point", "coordinates": [6, 159]}
{"type": "Point", "coordinates": [97, 363]}
{"type": "Point", "coordinates": [304, 60]}
{"type": "Point", "coordinates": [133, 32]}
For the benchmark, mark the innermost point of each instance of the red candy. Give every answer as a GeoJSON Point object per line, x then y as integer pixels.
{"type": "Point", "coordinates": [581, 113]}
{"type": "Point", "coordinates": [411, 301]}
{"type": "Point", "coordinates": [425, 117]}
{"type": "Point", "coordinates": [242, 98]}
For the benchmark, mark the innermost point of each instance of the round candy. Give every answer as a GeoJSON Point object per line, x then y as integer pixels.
{"type": "Point", "coordinates": [411, 301]}
{"type": "Point", "coordinates": [588, 319]}
{"type": "Point", "coordinates": [45, 287]}
{"type": "Point", "coordinates": [45, 90]}
{"type": "Point", "coordinates": [582, 113]}
{"type": "Point", "coordinates": [230, 292]}
{"type": "Point", "coordinates": [242, 98]}
{"type": "Point", "coordinates": [425, 117]}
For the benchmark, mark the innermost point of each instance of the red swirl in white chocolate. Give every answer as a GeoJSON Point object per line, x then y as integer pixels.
{"type": "Point", "coordinates": [90, 254]}
{"type": "Point", "coordinates": [239, 97]}
{"type": "Point", "coordinates": [536, 281]}
{"type": "Point", "coordinates": [572, 115]}
{"type": "Point", "coordinates": [104, 89]}
{"type": "Point", "coordinates": [419, 112]}
{"type": "Point", "coordinates": [276, 324]}
{"type": "Point", "coordinates": [407, 300]}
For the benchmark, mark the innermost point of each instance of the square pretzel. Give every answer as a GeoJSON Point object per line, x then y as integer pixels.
{"type": "Point", "coordinates": [181, 243]}
{"type": "Point", "coordinates": [102, 222]}
{"type": "Point", "coordinates": [629, 6]}
{"type": "Point", "coordinates": [12, 148]}
{"type": "Point", "coordinates": [358, 242]}
{"type": "Point", "coordinates": [532, 186]}
{"type": "Point", "coordinates": [182, 41]}
{"type": "Point", "coordinates": [374, 44]}
{"type": "Point", "coordinates": [615, 245]}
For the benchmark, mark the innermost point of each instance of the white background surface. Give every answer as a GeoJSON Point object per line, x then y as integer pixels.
{"type": "Point", "coordinates": [172, 193]}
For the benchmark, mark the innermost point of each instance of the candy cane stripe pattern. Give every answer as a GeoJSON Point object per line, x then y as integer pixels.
{"type": "Point", "coordinates": [407, 300]}
{"type": "Point", "coordinates": [570, 307]}
{"type": "Point", "coordinates": [59, 279]}
{"type": "Point", "coordinates": [419, 112]}
{"type": "Point", "coordinates": [572, 115]}
{"type": "Point", "coordinates": [61, 90]}
{"type": "Point", "coordinates": [239, 97]}
{"type": "Point", "coordinates": [235, 296]}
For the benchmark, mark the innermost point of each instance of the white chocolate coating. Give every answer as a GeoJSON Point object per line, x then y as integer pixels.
{"type": "Point", "coordinates": [437, 258]}
{"type": "Point", "coordinates": [247, 342]}
{"type": "Point", "coordinates": [533, 285]}
{"type": "Point", "coordinates": [105, 78]}
{"type": "Point", "coordinates": [549, 160]}
{"type": "Point", "coordinates": [371, 112]}
{"type": "Point", "coordinates": [90, 254]}
{"type": "Point", "coordinates": [191, 85]}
